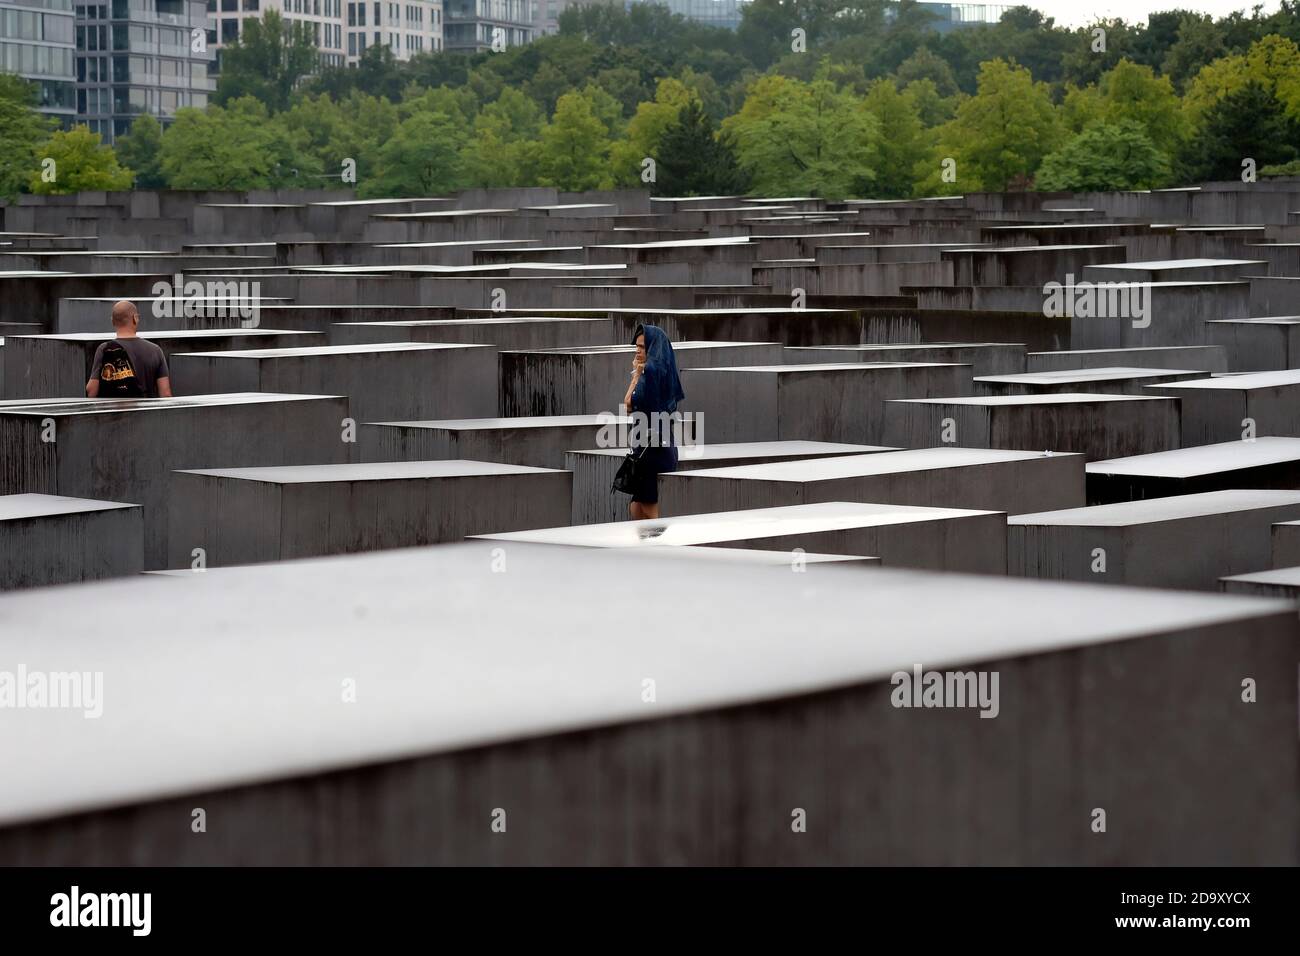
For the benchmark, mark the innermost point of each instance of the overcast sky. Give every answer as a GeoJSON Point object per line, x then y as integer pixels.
{"type": "Point", "coordinates": [1077, 12]}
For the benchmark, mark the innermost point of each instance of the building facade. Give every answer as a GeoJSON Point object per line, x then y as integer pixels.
{"type": "Point", "coordinates": [473, 26]}
{"type": "Point", "coordinates": [140, 56]}
{"type": "Point", "coordinates": [341, 29]}
{"type": "Point", "coordinates": [714, 13]}
{"type": "Point", "coordinates": [407, 27]}
{"type": "Point", "coordinates": [954, 16]}
{"type": "Point", "coordinates": [37, 42]}
{"type": "Point", "coordinates": [323, 17]}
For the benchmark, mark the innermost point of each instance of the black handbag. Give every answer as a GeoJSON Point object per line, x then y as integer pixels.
{"type": "Point", "coordinates": [627, 477]}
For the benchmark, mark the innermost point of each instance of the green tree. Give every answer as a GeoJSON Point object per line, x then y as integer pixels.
{"type": "Point", "coordinates": [765, 27]}
{"type": "Point", "coordinates": [141, 151]}
{"type": "Point", "coordinates": [266, 61]}
{"type": "Point", "coordinates": [797, 138]}
{"type": "Point", "coordinates": [1200, 41]}
{"type": "Point", "coordinates": [501, 150]}
{"type": "Point", "coordinates": [999, 135]}
{"type": "Point", "coordinates": [1085, 61]}
{"type": "Point", "coordinates": [574, 150]}
{"type": "Point", "coordinates": [644, 130]}
{"type": "Point", "coordinates": [22, 130]}
{"type": "Point", "coordinates": [1272, 62]}
{"type": "Point", "coordinates": [76, 161]}
{"type": "Point", "coordinates": [1105, 157]}
{"type": "Point", "coordinates": [902, 142]}
{"type": "Point", "coordinates": [423, 158]}
{"type": "Point", "coordinates": [1081, 107]}
{"type": "Point", "coordinates": [694, 159]}
{"type": "Point", "coordinates": [1249, 123]}
{"type": "Point", "coordinates": [925, 65]}
{"type": "Point", "coordinates": [932, 108]}
{"type": "Point", "coordinates": [626, 85]}
{"type": "Point", "coordinates": [332, 132]}
{"type": "Point", "coordinates": [240, 146]}
{"type": "Point", "coordinates": [1134, 92]}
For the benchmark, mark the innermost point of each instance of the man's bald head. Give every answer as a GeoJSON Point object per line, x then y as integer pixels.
{"type": "Point", "coordinates": [125, 314]}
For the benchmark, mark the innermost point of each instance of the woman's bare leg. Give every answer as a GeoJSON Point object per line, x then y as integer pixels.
{"type": "Point", "coordinates": [650, 511]}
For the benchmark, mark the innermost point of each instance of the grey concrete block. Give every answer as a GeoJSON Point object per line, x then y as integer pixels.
{"type": "Point", "coordinates": [786, 561]}
{"type": "Point", "coordinates": [514, 332]}
{"type": "Point", "coordinates": [453, 726]}
{"type": "Point", "coordinates": [985, 358]}
{"type": "Point", "coordinates": [1105, 381]}
{"type": "Point", "coordinates": [1185, 541]}
{"type": "Point", "coordinates": [1176, 314]}
{"type": "Point", "coordinates": [940, 539]}
{"type": "Point", "coordinates": [124, 449]}
{"type": "Point", "coordinates": [1262, 463]}
{"type": "Point", "coordinates": [58, 366]}
{"type": "Point", "coordinates": [789, 326]}
{"type": "Point", "coordinates": [1174, 270]}
{"type": "Point", "coordinates": [1211, 358]}
{"type": "Point", "coordinates": [1098, 426]}
{"type": "Point", "coordinates": [395, 381]}
{"type": "Point", "coordinates": [1010, 481]}
{"type": "Point", "coordinates": [1258, 344]}
{"type": "Point", "coordinates": [48, 539]}
{"type": "Point", "coordinates": [595, 501]}
{"type": "Point", "coordinates": [591, 380]}
{"type": "Point", "coordinates": [837, 402]}
{"type": "Point", "coordinates": [1278, 583]}
{"type": "Point", "coordinates": [1285, 545]}
{"type": "Point", "coordinates": [882, 278]}
{"type": "Point", "coordinates": [1274, 295]}
{"type": "Point", "coordinates": [1026, 265]}
{"type": "Point", "coordinates": [93, 314]}
{"type": "Point", "coordinates": [541, 441]}
{"type": "Point", "coordinates": [249, 515]}
{"type": "Point", "coordinates": [1231, 407]}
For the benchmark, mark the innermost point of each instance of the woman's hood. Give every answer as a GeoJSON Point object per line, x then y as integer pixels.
{"type": "Point", "coordinates": [660, 384]}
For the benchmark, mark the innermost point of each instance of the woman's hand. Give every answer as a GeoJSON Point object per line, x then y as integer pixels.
{"type": "Point", "coordinates": [637, 368]}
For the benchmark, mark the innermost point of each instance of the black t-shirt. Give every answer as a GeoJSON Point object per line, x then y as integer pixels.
{"type": "Point", "coordinates": [148, 359]}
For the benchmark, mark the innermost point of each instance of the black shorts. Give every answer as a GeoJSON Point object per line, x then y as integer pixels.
{"type": "Point", "coordinates": [653, 463]}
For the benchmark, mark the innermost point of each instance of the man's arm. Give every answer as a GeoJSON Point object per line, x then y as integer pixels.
{"type": "Point", "coordinates": [97, 363]}
{"type": "Point", "coordinates": [163, 379]}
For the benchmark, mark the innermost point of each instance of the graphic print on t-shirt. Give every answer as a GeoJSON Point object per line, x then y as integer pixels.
{"type": "Point", "coordinates": [117, 376]}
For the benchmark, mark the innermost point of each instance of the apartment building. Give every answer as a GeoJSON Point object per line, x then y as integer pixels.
{"type": "Point", "coordinates": [37, 43]}
{"type": "Point", "coordinates": [140, 56]}
{"type": "Point", "coordinates": [323, 17]}
{"type": "Point", "coordinates": [473, 26]}
{"type": "Point", "coordinates": [407, 27]}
